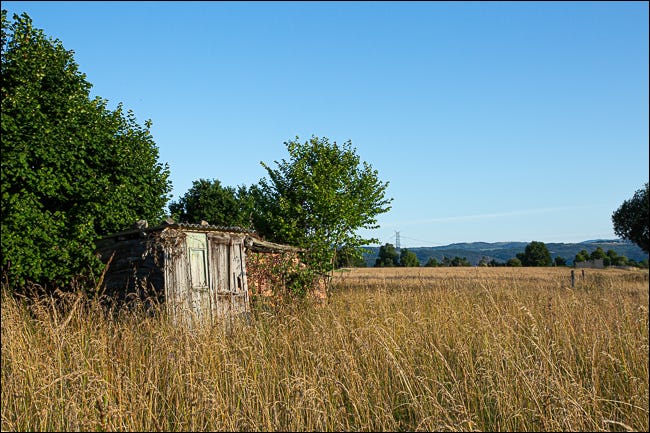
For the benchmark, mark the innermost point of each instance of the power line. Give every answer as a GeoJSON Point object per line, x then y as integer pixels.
{"type": "Point", "coordinates": [428, 243]}
{"type": "Point", "coordinates": [397, 236]}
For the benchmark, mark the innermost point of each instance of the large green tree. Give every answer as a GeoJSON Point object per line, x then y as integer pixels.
{"type": "Point", "coordinates": [459, 261]}
{"type": "Point", "coordinates": [72, 170]}
{"type": "Point", "coordinates": [582, 256]}
{"type": "Point", "coordinates": [387, 256]}
{"type": "Point", "coordinates": [318, 199]}
{"type": "Point", "coordinates": [219, 205]}
{"type": "Point", "coordinates": [347, 257]}
{"type": "Point", "coordinates": [408, 259]}
{"type": "Point", "coordinates": [597, 254]}
{"type": "Point", "coordinates": [432, 263]}
{"type": "Point", "coordinates": [631, 219]}
{"type": "Point", "coordinates": [535, 254]}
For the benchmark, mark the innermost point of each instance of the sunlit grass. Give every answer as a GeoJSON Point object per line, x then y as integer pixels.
{"type": "Point", "coordinates": [410, 349]}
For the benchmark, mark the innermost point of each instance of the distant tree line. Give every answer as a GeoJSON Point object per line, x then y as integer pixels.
{"type": "Point", "coordinates": [388, 257]}
{"type": "Point", "coordinates": [610, 258]}
{"type": "Point", "coordinates": [536, 254]}
{"type": "Point", "coordinates": [448, 262]}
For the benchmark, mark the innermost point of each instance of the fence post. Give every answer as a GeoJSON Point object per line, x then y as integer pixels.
{"type": "Point", "coordinates": [573, 278]}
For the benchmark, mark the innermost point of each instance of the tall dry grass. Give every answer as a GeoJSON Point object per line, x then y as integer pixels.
{"type": "Point", "coordinates": [409, 349]}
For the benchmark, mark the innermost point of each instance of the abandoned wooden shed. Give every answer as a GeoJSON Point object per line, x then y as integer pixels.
{"type": "Point", "coordinates": [197, 270]}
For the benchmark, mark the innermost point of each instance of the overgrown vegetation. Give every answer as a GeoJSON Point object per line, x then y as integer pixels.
{"type": "Point", "coordinates": [281, 278]}
{"type": "Point", "coordinates": [424, 349]}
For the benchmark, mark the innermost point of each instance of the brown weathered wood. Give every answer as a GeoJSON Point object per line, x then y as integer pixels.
{"type": "Point", "coordinates": [262, 246]}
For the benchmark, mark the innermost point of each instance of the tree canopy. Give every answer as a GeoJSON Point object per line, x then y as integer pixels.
{"type": "Point", "coordinates": [72, 170]}
{"type": "Point", "coordinates": [347, 257]}
{"type": "Point", "coordinates": [387, 256]}
{"type": "Point", "coordinates": [535, 254]}
{"type": "Point", "coordinates": [318, 199]}
{"type": "Point", "coordinates": [432, 263]}
{"type": "Point", "coordinates": [408, 258]}
{"type": "Point", "coordinates": [631, 219]}
{"type": "Point", "coordinates": [219, 205]}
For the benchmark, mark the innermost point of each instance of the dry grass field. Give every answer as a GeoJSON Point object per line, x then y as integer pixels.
{"type": "Point", "coordinates": [428, 349]}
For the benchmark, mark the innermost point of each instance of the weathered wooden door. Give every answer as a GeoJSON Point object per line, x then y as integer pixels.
{"type": "Point", "coordinates": [197, 254]}
{"type": "Point", "coordinates": [230, 291]}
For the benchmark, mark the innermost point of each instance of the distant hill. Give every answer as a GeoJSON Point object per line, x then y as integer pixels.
{"type": "Point", "coordinates": [503, 251]}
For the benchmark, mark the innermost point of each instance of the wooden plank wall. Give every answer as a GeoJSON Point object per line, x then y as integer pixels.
{"type": "Point", "coordinates": [133, 269]}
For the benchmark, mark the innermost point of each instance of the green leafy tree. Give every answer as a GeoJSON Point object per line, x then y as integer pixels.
{"type": "Point", "coordinates": [220, 205]}
{"type": "Point", "coordinates": [514, 262]}
{"type": "Point", "coordinates": [72, 170]}
{"type": "Point", "coordinates": [387, 256]}
{"type": "Point", "coordinates": [318, 199]}
{"type": "Point", "coordinates": [536, 254]}
{"type": "Point", "coordinates": [347, 257]}
{"type": "Point", "coordinates": [432, 263]}
{"type": "Point", "coordinates": [582, 256]}
{"type": "Point", "coordinates": [460, 261]}
{"type": "Point", "coordinates": [612, 255]}
{"type": "Point", "coordinates": [619, 261]}
{"type": "Point", "coordinates": [559, 261]}
{"type": "Point", "coordinates": [614, 259]}
{"type": "Point", "coordinates": [408, 259]}
{"type": "Point", "coordinates": [631, 219]}
{"type": "Point", "coordinates": [455, 261]}
{"type": "Point", "coordinates": [598, 253]}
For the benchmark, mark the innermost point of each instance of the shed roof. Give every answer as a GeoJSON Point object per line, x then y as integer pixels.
{"type": "Point", "coordinates": [254, 242]}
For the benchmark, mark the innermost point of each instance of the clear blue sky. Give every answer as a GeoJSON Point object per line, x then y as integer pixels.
{"type": "Point", "coordinates": [492, 122]}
